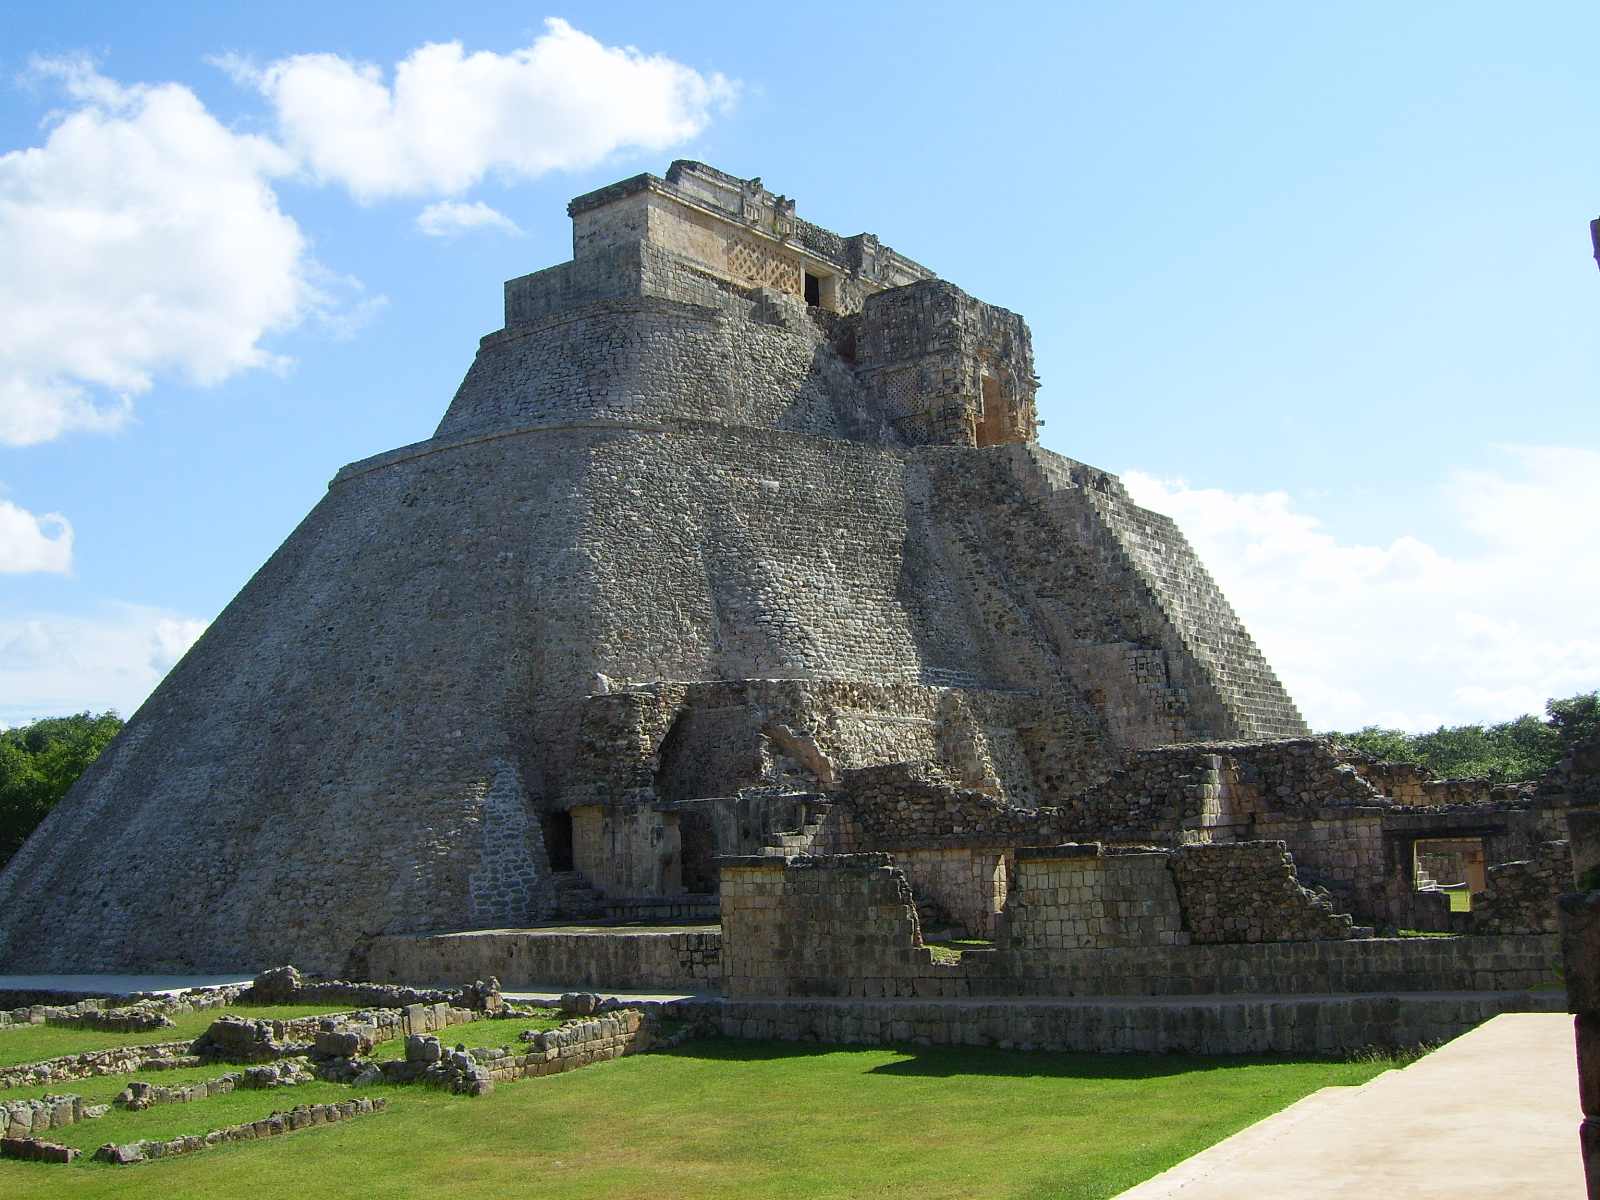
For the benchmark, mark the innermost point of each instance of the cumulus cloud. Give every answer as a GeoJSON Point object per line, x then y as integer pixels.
{"type": "Point", "coordinates": [1402, 634]}
{"type": "Point", "coordinates": [54, 664]}
{"type": "Point", "coordinates": [143, 237]}
{"type": "Point", "coordinates": [31, 543]}
{"type": "Point", "coordinates": [450, 217]}
{"type": "Point", "coordinates": [451, 118]}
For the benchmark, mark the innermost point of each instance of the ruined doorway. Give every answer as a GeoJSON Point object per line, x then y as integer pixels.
{"type": "Point", "coordinates": [992, 428]}
{"type": "Point", "coordinates": [697, 837]}
{"type": "Point", "coordinates": [1454, 866]}
{"type": "Point", "coordinates": [558, 840]}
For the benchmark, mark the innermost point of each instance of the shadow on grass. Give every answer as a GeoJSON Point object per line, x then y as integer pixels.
{"type": "Point", "coordinates": [951, 1061]}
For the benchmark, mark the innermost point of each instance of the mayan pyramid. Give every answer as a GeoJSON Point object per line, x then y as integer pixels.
{"type": "Point", "coordinates": [730, 504]}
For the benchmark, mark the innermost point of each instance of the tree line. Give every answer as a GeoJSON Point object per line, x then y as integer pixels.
{"type": "Point", "coordinates": [39, 762]}
{"type": "Point", "coordinates": [1505, 753]}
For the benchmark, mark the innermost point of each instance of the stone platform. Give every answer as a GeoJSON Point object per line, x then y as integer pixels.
{"type": "Point", "coordinates": [605, 956]}
{"type": "Point", "coordinates": [1305, 1024]}
{"type": "Point", "coordinates": [1491, 1116]}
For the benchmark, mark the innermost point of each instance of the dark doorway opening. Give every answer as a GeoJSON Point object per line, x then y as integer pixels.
{"type": "Point", "coordinates": [558, 840]}
{"type": "Point", "coordinates": [813, 290]}
{"type": "Point", "coordinates": [698, 846]}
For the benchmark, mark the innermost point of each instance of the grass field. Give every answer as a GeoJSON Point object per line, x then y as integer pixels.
{"type": "Point", "coordinates": [30, 1043]}
{"type": "Point", "coordinates": [713, 1119]}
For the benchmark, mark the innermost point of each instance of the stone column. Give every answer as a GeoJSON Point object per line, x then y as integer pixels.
{"type": "Point", "coordinates": [1580, 953]}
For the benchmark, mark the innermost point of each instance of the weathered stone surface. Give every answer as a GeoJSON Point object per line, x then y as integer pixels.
{"type": "Point", "coordinates": [668, 470]}
{"type": "Point", "coordinates": [1521, 896]}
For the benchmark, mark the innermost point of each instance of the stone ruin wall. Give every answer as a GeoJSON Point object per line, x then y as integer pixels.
{"type": "Point", "coordinates": [1086, 925]}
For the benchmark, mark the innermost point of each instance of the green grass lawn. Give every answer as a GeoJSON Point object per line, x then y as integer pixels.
{"type": "Point", "coordinates": [719, 1119]}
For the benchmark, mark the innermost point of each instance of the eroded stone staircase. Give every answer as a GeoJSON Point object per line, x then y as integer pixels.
{"type": "Point", "coordinates": [575, 899]}
{"type": "Point", "coordinates": [802, 840]}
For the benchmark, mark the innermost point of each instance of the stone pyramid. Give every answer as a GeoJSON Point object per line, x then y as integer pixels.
{"type": "Point", "coordinates": [731, 503]}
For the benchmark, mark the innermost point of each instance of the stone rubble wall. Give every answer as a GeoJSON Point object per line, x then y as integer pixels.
{"type": "Point", "coordinates": [37, 1150]}
{"type": "Point", "coordinates": [25, 1118]}
{"type": "Point", "coordinates": [119, 1060]}
{"type": "Point", "coordinates": [914, 805]}
{"type": "Point", "coordinates": [232, 1039]}
{"type": "Point", "coordinates": [474, 1072]}
{"type": "Point", "coordinates": [1576, 779]}
{"type": "Point", "coordinates": [1248, 892]}
{"type": "Point", "coordinates": [302, 1116]}
{"type": "Point", "coordinates": [133, 1013]}
{"type": "Point", "coordinates": [574, 1044]}
{"type": "Point", "coordinates": [1520, 897]}
{"type": "Point", "coordinates": [139, 1095]}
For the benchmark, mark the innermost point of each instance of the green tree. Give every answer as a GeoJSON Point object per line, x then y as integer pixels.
{"type": "Point", "coordinates": [1512, 750]}
{"type": "Point", "coordinates": [39, 762]}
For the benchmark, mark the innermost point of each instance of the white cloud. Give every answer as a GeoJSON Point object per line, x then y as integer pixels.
{"type": "Point", "coordinates": [450, 217]}
{"type": "Point", "coordinates": [1403, 635]}
{"type": "Point", "coordinates": [141, 238]}
{"type": "Point", "coordinates": [30, 543]}
{"type": "Point", "coordinates": [450, 118]}
{"type": "Point", "coordinates": [56, 664]}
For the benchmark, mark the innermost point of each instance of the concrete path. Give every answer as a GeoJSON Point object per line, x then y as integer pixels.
{"type": "Point", "coordinates": [1492, 1115]}
{"type": "Point", "coordinates": [116, 985]}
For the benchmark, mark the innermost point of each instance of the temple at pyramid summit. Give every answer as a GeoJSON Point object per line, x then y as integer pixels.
{"type": "Point", "coordinates": [735, 570]}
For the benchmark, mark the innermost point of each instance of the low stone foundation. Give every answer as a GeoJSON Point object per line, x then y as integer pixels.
{"type": "Point", "coordinates": [24, 1118]}
{"type": "Point", "coordinates": [302, 1116]}
{"type": "Point", "coordinates": [678, 959]}
{"type": "Point", "coordinates": [36, 1150]}
{"type": "Point", "coordinates": [1211, 1025]}
{"type": "Point", "coordinates": [119, 1060]}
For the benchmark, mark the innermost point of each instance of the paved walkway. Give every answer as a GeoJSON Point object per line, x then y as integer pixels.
{"type": "Point", "coordinates": [116, 985]}
{"type": "Point", "coordinates": [1492, 1115]}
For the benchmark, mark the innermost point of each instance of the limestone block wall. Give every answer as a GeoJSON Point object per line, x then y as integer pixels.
{"type": "Point", "coordinates": [1252, 1025]}
{"type": "Point", "coordinates": [1248, 892]}
{"type": "Point", "coordinates": [837, 925]}
{"type": "Point", "coordinates": [1078, 898]}
{"type": "Point", "coordinates": [1341, 849]}
{"type": "Point", "coordinates": [969, 886]}
{"type": "Point", "coordinates": [637, 959]}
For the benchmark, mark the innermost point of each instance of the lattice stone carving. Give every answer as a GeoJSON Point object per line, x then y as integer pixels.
{"type": "Point", "coordinates": [758, 265]}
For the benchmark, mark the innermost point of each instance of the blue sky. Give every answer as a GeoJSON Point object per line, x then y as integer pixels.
{"type": "Point", "coordinates": [1315, 278]}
